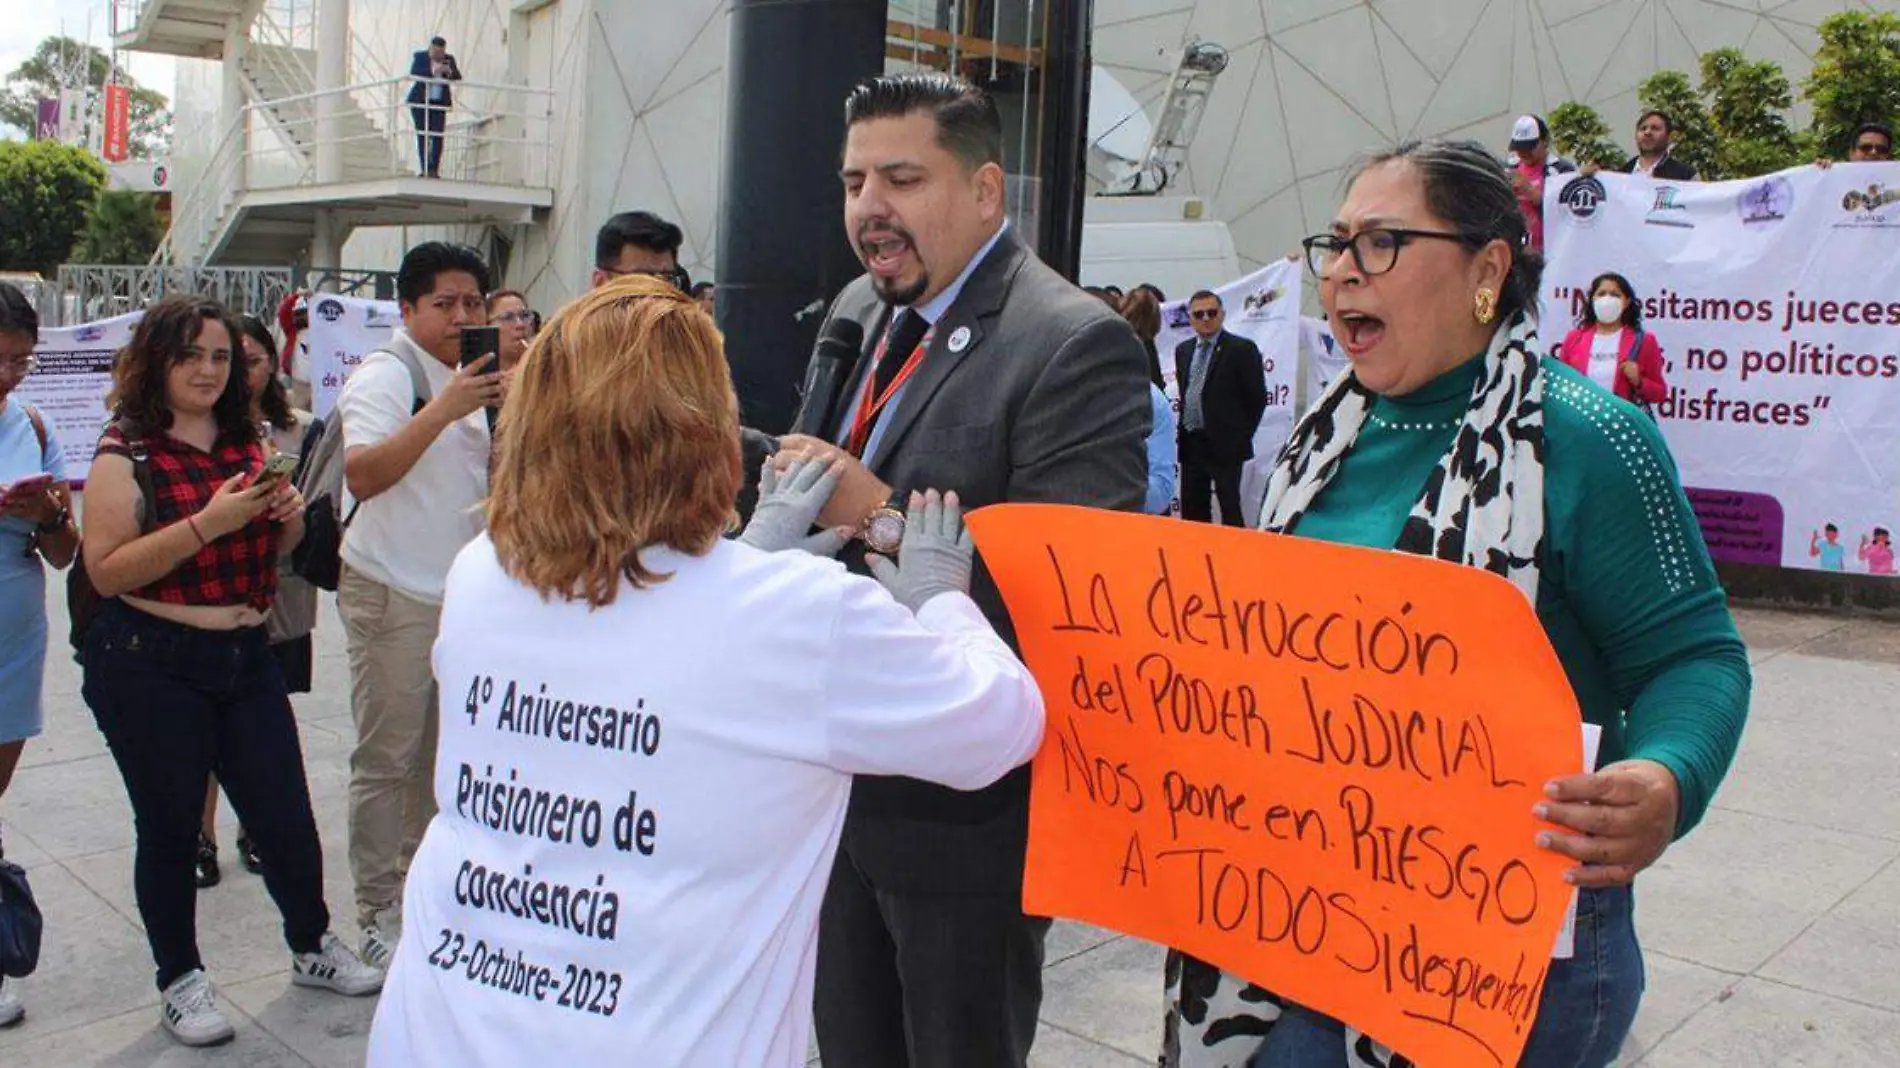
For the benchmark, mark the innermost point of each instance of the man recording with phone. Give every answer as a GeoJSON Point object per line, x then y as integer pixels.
{"type": "Point", "coordinates": [416, 448]}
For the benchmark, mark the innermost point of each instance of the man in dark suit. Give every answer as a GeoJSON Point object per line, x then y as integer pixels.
{"type": "Point", "coordinates": [1223, 392]}
{"type": "Point", "coordinates": [429, 101]}
{"type": "Point", "coordinates": [986, 373]}
{"type": "Point", "coordinates": [1652, 158]}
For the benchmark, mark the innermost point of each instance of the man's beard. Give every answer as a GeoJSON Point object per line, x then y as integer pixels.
{"type": "Point", "coordinates": [893, 293]}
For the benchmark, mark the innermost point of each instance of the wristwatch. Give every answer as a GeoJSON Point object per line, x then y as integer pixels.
{"type": "Point", "coordinates": [883, 531]}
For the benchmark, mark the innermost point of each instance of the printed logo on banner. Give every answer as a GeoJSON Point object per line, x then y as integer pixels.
{"type": "Point", "coordinates": [1178, 318]}
{"type": "Point", "coordinates": [1868, 207]}
{"type": "Point", "coordinates": [89, 332]}
{"type": "Point", "coordinates": [1667, 211]}
{"type": "Point", "coordinates": [1584, 198]}
{"type": "Point", "coordinates": [1767, 201]}
{"type": "Point", "coordinates": [331, 310]}
{"type": "Point", "coordinates": [1256, 304]}
{"type": "Point", "coordinates": [377, 316]}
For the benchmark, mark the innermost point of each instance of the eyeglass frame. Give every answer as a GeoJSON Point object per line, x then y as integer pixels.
{"type": "Point", "coordinates": [1206, 314]}
{"type": "Point", "coordinates": [1401, 237]}
{"type": "Point", "coordinates": [677, 276]}
{"type": "Point", "coordinates": [1868, 150]}
{"type": "Point", "coordinates": [525, 315]}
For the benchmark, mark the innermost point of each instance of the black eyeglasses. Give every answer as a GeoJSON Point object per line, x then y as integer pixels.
{"type": "Point", "coordinates": [1874, 148]}
{"type": "Point", "coordinates": [676, 277]}
{"type": "Point", "coordinates": [1374, 251]}
{"type": "Point", "coordinates": [1205, 314]}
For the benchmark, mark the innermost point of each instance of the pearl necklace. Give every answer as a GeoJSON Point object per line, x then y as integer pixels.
{"type": "Point", "coordinates": [1387, 424]}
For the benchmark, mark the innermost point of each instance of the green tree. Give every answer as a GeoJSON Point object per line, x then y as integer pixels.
{"type": "Point", "coordinates": [1856, 77]}
{"type": "Point", "coordinates": [1579, 133]}
{"type": "Point", "coordinates": [46, 191]}
{"type": "Point", "coordinates": [123, 228]}
{"type": "Point", "coordinates": [1748, 103]}
{"type": "Point", "coordinates": [44, 72]}
{"type": "Point", "coordinates": [1693, 140]}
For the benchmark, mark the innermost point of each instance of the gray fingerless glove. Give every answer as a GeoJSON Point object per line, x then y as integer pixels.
{"type": "Point", "coordinates": [788, 505]}
{"type": "Point", "coordinates": [936, 556]}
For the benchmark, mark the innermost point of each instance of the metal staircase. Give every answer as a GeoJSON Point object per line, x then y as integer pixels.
{"type": "Point", "coordinates": [280, 79]}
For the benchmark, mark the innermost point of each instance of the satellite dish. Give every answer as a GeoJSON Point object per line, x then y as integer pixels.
{"type": "Point", "coordinates": [1118, 128]}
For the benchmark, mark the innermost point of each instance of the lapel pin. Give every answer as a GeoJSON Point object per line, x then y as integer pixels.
{"type": "Point", "coordinates": [960, 339]}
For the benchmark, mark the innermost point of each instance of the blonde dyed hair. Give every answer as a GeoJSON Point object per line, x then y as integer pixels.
{"type": "Point", "coordinates": [621, 433]}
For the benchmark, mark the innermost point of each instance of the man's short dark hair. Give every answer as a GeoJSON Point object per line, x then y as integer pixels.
{"type": "Point", "coordinates": [1873, 127]}
{"type": "Point", "coordinates": [438, 42]}
{"type": "Point", "coordinates": [1205, 294]}
{"type": "Point", "coordinates": [641, 229]}
{"type": "Point", "coordinates": [415, 279]}
{"type": "Point", "coordinates": [968, 125]}
{"type": "Point", "coordinates": [1669, 125]}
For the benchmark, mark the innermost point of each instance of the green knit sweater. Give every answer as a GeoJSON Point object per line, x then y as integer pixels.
{"type": "Point", "coordinates": [1628, 595]}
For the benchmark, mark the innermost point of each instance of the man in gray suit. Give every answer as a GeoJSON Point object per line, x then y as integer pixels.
{"type": "Point", "coordinates": [986, 373]}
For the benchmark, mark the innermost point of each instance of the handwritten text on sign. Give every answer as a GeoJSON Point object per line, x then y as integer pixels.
{"type": "Point", "coordinates": [1309, 764]}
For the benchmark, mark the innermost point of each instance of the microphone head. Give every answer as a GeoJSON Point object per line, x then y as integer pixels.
{"type": "Point", "coordinates": [842, 338]}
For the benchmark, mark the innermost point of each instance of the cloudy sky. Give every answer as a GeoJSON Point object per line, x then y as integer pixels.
{"type": "Point", "coordinates": [29, 22]}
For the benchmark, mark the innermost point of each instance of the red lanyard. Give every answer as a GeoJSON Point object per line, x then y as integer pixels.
{"type": "Point", "coordinates": [869, 409]}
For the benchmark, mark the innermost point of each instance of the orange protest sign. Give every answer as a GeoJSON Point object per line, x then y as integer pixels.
{"type": "Point", "coordinates": [1310, 764]}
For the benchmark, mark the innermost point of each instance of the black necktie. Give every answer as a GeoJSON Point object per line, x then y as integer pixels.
{"type": "Point", "coordinates": [905, 335]}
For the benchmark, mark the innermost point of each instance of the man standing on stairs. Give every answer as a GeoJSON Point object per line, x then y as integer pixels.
{"type": "Point", "coordinates": [429, 101]}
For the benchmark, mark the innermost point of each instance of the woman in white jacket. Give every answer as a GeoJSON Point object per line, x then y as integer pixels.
{"type": "Point", "coordinates": [648, 732]}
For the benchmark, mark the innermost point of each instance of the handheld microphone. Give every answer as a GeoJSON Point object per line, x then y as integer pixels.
{"type": "Point", "coordinates": [840, 346]}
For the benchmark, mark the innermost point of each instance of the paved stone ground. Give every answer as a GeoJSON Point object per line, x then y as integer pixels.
{"type": "Point", "coordinates": [1773, 934]}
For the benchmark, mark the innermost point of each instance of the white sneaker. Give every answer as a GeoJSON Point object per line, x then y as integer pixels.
{"type": "Point", "coordinates": [336, 968]}
{"type": "Point", "coordinates": [11, 1011]}
{"type": "Point", "coordinates": [190, 1011]}
{"type": "Point", "coordinates": [382, 938]}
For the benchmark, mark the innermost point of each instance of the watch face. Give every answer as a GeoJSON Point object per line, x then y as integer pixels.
{"type": "Point", "coordinates": [885, 532]}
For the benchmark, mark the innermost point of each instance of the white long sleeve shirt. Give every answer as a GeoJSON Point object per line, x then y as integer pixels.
{"type": "Point", "coordinates": [685, 753]}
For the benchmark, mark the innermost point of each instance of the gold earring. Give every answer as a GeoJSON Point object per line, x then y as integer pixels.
{"type": "Point", "coordinates": [1487, 305]}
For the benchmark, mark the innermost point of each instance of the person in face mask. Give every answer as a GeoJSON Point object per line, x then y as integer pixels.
{"type": "Point", "coordinates": [1611, 348]}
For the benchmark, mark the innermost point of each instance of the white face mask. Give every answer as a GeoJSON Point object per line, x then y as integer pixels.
{"type": "Point", "coordinates": [1609, 309]}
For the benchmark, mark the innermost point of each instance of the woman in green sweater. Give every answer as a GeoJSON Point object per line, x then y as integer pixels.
{"type": "Point", "coordinates": [1451, 438]}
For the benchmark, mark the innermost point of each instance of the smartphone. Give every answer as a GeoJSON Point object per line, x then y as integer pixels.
{"type": "Point", "coordinates": [279, 466]}
{"type": "Point", "coordinates": [25, 487]}
{"type": "Point", "coordinates": [479, 341]}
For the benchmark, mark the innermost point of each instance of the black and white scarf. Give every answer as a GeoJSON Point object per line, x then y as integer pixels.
{"type": "Point", "coordinates": [1483, 505]}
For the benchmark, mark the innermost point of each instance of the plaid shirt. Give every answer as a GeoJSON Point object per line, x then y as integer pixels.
{"type": "Point", "coordinates": [237, 569]}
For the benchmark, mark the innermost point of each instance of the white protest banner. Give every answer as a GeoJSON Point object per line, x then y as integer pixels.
{"type": "Point", "coordinates": [70, 383]}
{"type": "Point", "coordinates": [1777, 304]}
{"type": "Point", "coordinates": [1325, 360]}
{"type": "Point", "coordinates": [1264, 308]}
{"type": "Point", "coordinates": [342, 331]}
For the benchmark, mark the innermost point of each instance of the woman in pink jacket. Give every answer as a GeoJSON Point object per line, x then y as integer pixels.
{"type": "Point", "coordinates": [1611, 348]}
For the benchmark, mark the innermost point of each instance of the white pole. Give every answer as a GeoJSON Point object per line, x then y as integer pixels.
{"type": "Point", "coordinates": [333, 53]}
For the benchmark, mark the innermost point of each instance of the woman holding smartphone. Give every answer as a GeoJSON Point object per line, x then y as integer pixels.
{"type": "Point", "coordinates": [293, 616]}
{"type": "Point", "coordinates": [178, 669]}
{"type": "Point", "coordinates": [36, 528]}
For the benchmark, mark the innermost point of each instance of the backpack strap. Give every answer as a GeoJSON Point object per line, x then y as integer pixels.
{"type": "Point", "coordinates": [137, 452]}
{"type": "Point", "coordinates": [418, 379]}
{"type": "Point", "coordinates": [39, 427]}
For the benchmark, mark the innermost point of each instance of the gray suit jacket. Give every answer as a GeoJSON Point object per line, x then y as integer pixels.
{"type": "Point", "coordinates": [1048, 402]}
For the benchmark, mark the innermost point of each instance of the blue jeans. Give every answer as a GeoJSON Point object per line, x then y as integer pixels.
{"type": "Point", "coordinates": [1589, 1000]}
{"type": "Point", "coordinates": [176, 704]}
